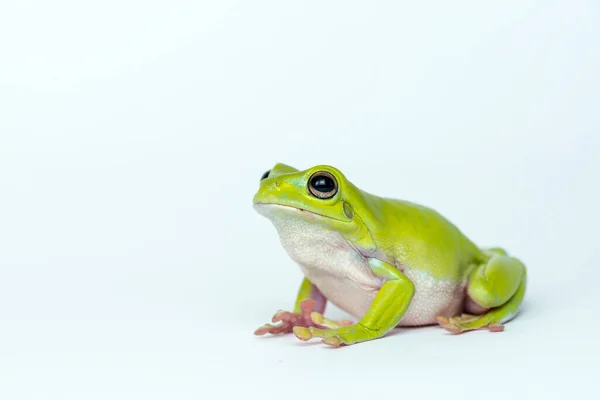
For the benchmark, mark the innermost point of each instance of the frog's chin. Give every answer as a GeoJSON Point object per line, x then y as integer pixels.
{"type": "Point", "coordinates": [271, 210]}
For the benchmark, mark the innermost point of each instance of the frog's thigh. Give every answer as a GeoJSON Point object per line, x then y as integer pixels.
{"type": "Point", "coordinates": [497, 287]}
{"type": "Point", "coordinates": [494, 283]}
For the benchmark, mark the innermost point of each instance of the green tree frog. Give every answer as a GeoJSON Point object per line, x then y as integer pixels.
{"type": "Point", "coordinates": [386, 262]}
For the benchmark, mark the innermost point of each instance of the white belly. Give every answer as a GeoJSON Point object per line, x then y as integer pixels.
{"type": "Point", "coordinates": [432, 297]}
{"type": "Point", "coordinates": [347, 294]}
{"type": "Point", "coordinates": [345, 278]}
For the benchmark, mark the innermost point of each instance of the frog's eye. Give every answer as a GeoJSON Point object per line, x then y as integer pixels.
{"type": "Point", "coordinates": [322, 185]}
{"type": "Point", "coordinates": [265, 175]}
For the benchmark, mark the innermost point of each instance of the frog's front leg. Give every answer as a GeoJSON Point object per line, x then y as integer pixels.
{"type": "Point", "coordinates": [308, 310]}
{"type": "Point", "coordinates": [388, 307]}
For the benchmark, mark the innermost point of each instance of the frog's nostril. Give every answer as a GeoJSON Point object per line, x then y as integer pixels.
{"type": "Point", "coordinates": [277, 183]}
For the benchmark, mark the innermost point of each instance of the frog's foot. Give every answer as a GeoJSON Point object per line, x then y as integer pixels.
{"type": "Point", "coordinates": [467, 322]}
{"type": "Point", "coordinates": [343, 335]}
{"type": "Point", "coordinates": [285, 321]}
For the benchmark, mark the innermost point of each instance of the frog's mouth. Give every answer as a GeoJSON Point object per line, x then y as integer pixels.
{"type": "Point", "coordinates": [262, 208]}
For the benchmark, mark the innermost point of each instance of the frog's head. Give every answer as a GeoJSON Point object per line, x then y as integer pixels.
{"type": "Point", "coordinates": [320, 195]}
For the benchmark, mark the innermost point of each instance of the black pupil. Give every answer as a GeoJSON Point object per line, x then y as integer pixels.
{"type": "Point", "coordinates": [323, 184]}
{"type": "Point", "coordinates": [265, 175]}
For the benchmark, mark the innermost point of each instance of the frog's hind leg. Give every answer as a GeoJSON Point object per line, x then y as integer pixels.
{"type": "Point", "coordinates": [497, 288]}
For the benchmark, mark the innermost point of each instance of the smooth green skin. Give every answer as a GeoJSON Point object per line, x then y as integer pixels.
{"type": "Point", "coordinates": [393, 233]}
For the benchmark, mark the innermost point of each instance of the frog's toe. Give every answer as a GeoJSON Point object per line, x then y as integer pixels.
{"type": "Point", "coordinates": [281, 315]}
{"type": "Point", "coordinates": [285, 321]}
{"type": "Point", "coordinates": [306, 307]}
{"type": "Point", "coordinates": [303, 317]}
{"type": "Point", "coordinates": [303, 333]}
{"type": "Point", "coordinates": [273, 329]}
{"type": "Point", "coordinates": [447, 325]}
{"type": "Point", "coordinates": [345, 335]}
{"type": "Point", "coordinates": [320, 321]}
{"type": "Point", "coordinates": [466, 323]}
{"type": "Point", "coordinates": [262, 330]}
{"type": "Point", "coordinates": [306, 333]}
{"type": "Point", "coordinates": [333, 341]}
{"type": "Point", "coordinates": [329, 336]}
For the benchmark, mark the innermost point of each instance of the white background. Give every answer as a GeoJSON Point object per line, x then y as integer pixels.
{"type": "Point", "coordinates": [132, 138]}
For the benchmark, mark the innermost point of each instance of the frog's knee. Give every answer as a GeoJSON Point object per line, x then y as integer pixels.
{"type": "Point", "coordinates": [498, 250]}
{"type": "Point", "coordinates": [493, 284]}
